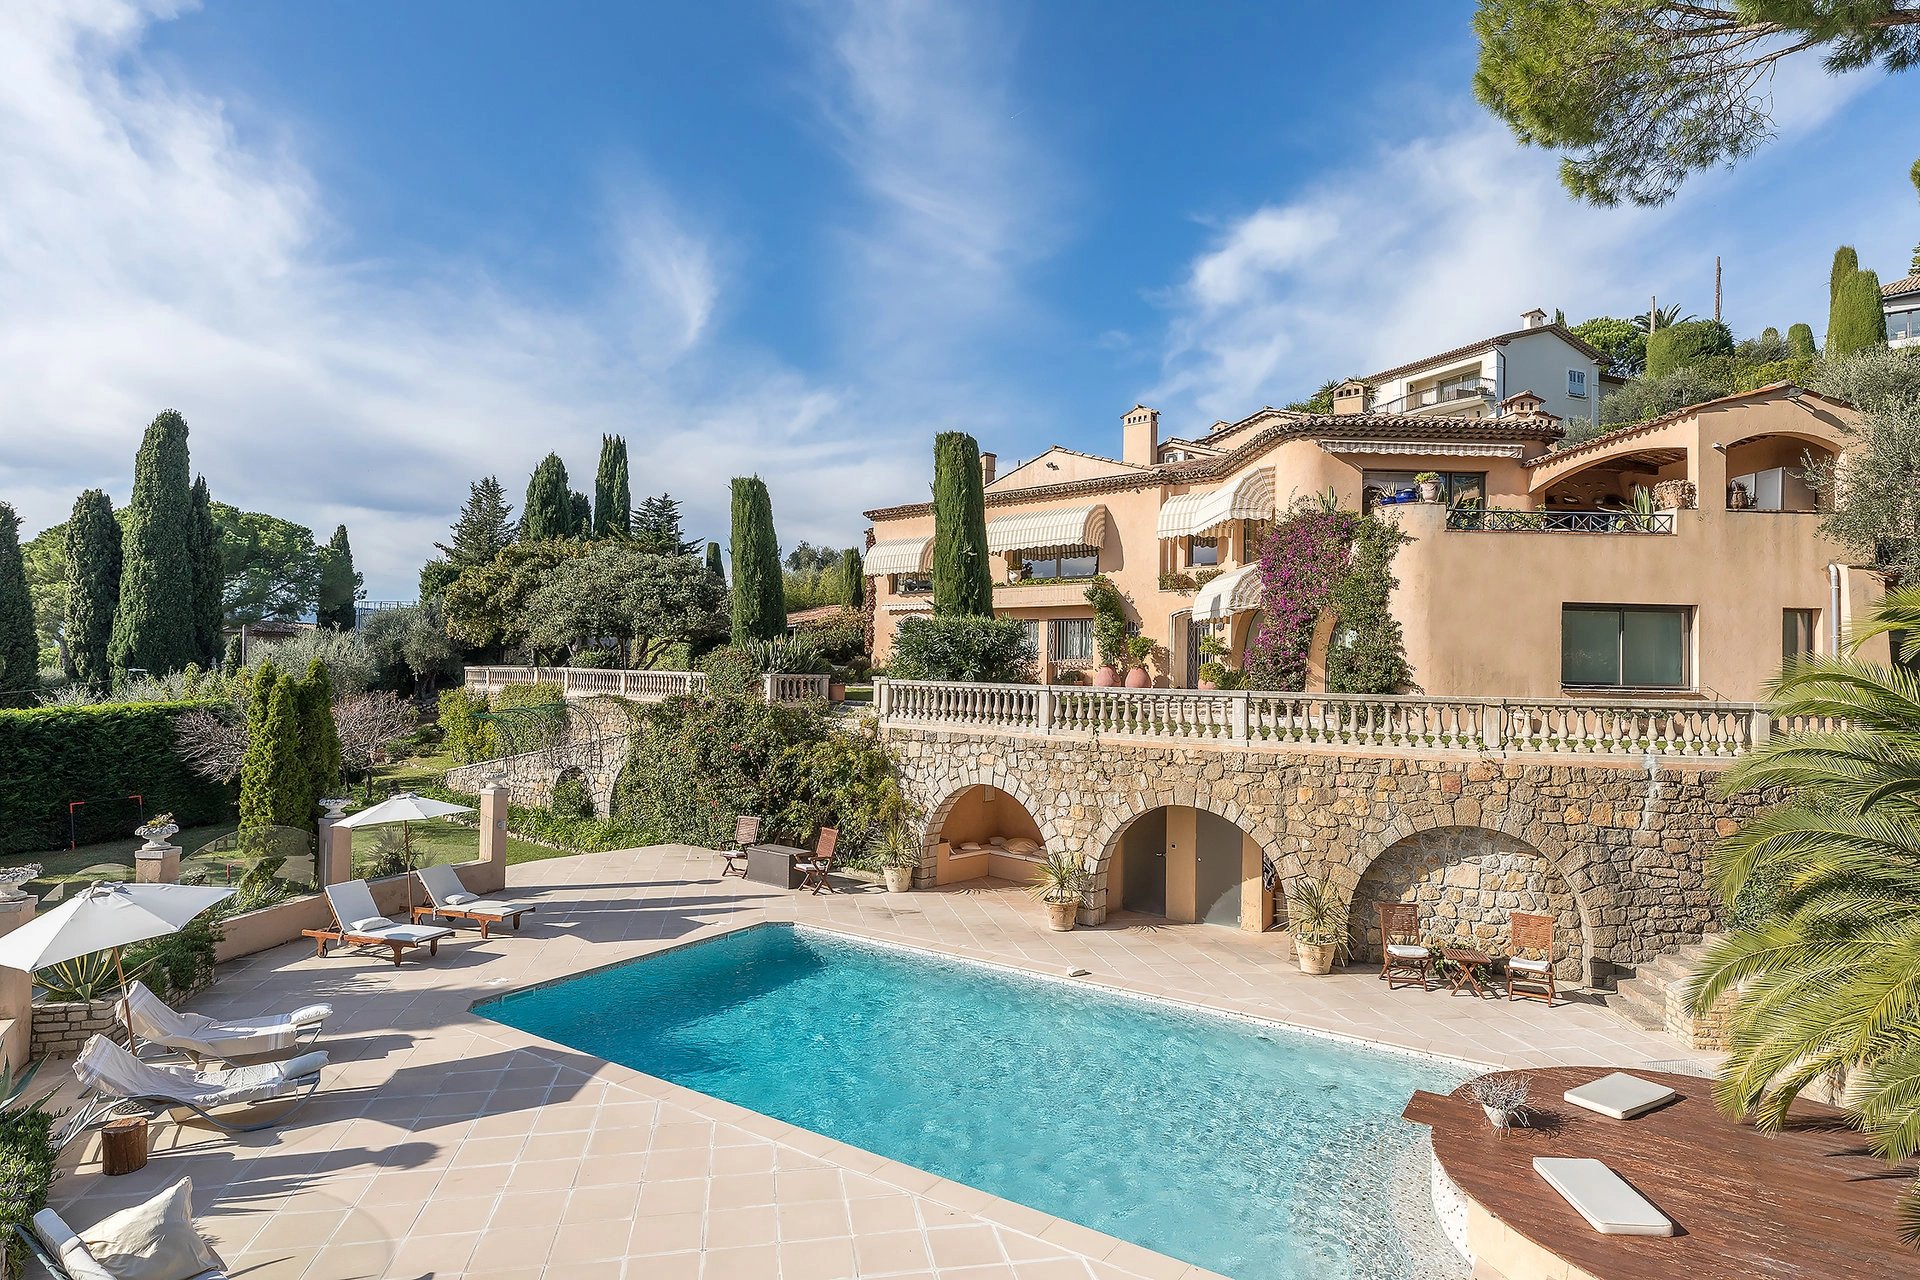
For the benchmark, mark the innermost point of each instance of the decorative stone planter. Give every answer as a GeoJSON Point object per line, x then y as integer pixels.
{"type": "Point", "coordinates": [1430, 491]}
{"type": "Point", "coordinates": [899, 879]}
{"type": "Point", "coordinates": [1675, 495]}
{"type": "Point", "coordinates": [1315, 958]}
{"type": "Point", "coordinates": [1061, 915]}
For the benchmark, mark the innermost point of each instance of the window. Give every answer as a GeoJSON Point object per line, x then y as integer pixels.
{"type": "Point", "coordinates": [1798, 627]}
{"type": "Point", "coordinates": [1070, 639]}
{"type": "Point", "coordinates": [1903, 324]}
{"type": "Point", "coordinates": [1624, 646]}
{"type": "Point", "coordinates": [1203, 551]}
{"type": "Point", "coordinates": [912, 584]}
{"type": "Point", "coordinates": [1577, 383]}
{"type": "Point", "coordinates": [1456, 488]}
{"type": "Point", "coordinates": [1062, 562]}
{"type": "Point", "coordinates": [1033, 633]}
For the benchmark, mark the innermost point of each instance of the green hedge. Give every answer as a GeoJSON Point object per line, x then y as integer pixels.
{"type": "Point", "coordinates": [26, 1171]}
{"type": "Point", "coordinates": [53, 756]}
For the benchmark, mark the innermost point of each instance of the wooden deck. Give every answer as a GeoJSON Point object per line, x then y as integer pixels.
{"type": "Point", "coordinates": [1812, 1201]}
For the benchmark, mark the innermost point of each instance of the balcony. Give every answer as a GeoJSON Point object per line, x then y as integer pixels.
{"type": "Point", "coordinates": [1499, 520]}
{"type": "Point", "coordinates": [1469, 396]}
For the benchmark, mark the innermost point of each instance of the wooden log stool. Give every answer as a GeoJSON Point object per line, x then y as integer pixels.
{"type": "Point", "coordinates": [123, 1145]}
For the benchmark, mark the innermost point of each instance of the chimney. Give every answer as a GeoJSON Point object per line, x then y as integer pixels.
{"type": "Point", "coordinates": [987, 464]}
{"type": "Point", "coordinates": [1534, 319]}
{"type": "Point", "coordinates": [1351, 397]}
{"type": "Point", "coordinates": [1523, 404]}
{"type": "Point", "coordinates": [1140, 436]}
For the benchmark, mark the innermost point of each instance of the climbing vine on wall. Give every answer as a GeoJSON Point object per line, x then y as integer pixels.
{"type": "Point", "coordinates": [1320, 558]}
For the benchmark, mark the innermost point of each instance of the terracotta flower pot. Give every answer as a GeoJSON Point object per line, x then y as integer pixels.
{"type": "Point", "coordinates": [1061, 915]}
{"type": "Point", "coordinates": [1314, 957]}
{"type": "Point", "coordinates": [899, 879]}
{"type": "Point", "coordinates": [1137, 678]}
{"type": "Point", "coordinates": [836, 692]}
{"type": "Point", "coordinates": [1205, 684]}
{"type": "Point", "coordinates": [1105, 676]}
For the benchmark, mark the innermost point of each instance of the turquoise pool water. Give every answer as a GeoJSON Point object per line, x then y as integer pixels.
{"type": "Point", "coordinates": [1250, 1151]}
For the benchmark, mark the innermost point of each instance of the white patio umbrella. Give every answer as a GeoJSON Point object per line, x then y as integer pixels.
{"type": "Point", "coordinates": [406, 808]}
{"type": "Point", "coordinates": [105, 916]}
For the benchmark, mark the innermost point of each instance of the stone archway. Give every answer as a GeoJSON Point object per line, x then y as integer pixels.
{"type": "Point", "coordinates": [960, 794]}
{"type": "Point", "coordinates": [1467, 881]}
{"type": "Point", "coordinates": [1110, 836]}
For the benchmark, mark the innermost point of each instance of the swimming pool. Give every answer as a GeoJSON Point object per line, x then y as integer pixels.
{"type": "Point", "coordinates": [1248, 1150]}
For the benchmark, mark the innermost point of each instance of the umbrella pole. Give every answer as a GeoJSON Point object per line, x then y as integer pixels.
{"type": "Point", "coordinates": [126, 1003]}
{"type": "Point", "coordinates": [406, 853]}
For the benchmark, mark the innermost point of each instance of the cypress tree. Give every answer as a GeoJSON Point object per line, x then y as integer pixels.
{"type": "Point", "coordinates": [715, 566]}
{"type": "Point", "coordinates": [853, 578]}
{"type": "Point", "coordinates": [962, 583]}
{"type": "Point", "coordinates": [19, 642]}
{"type": "Point", "coordinates": [612, 493]}
{"type": "Point", "coordinates": [339, 584]}
{"type": "Point", "coordinates": [582, 507]}
{"type": "Point", "coordinates": [1800, 342]}
{"type": "Point", "coordinates": [1846, 265]}
{"type": "Point", "coordinates": [1857, 321]}
{"type": "Point", "coordinates": [759, 592]}
{"type": "Point", "coordinates": [93, 584]}
{"type": "Point", "coordinates": [236, 649]}
{"type": "Point", "coordinates": [271, 771]}
{"type": "Point", "coordinates": [153, 626]}
{"type": "Point", "coordinates": [549, 511]}
{"type": "Point", "coordinates": [319, 741]}
{"type": "Point", "coordinates": [484, 529]}
{"type": "Point", "coordinates": [209, 579]}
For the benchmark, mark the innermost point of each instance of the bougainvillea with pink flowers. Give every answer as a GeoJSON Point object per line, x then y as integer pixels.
{"type": "Point", "coordinates": [1308, 565]}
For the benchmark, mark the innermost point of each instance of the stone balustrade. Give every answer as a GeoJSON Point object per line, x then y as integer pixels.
{"type": "Point", "coordinates": [637, 686]}
{"type": "Point", "coordinates": [1496, 726]}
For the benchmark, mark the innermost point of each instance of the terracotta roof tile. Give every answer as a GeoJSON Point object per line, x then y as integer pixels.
{"type": "Point", "coordinates": [1910, 284]}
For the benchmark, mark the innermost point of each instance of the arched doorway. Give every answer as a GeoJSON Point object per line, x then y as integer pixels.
{"type": "Point", "coordinates": [983, 831]}
{"type": "Point", "coordinates": [1189, 865]}
{"type": "Point", "coordinates": [1467, 882]}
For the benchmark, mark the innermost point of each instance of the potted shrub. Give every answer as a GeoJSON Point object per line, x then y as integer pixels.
{"type": "Point", "coordinates": [1109, 630]}
{"type": "Point", "coordinates": [1429, 482]}
{"type": "Point", "coordinates": [1139, 649]}
{"type": "Point", "coordinates": [1318, 913]}
{"type": "Point", "coordinates": [1212, 673]}
{"type": "Point", "coordinates": [899, 857]}
{"type": "Point", "coordinates": [1211, 650]}
{"type": "Point", "coordinates": [1503, 1096]}
{"type": "Point", "coordinates": [1059, 881]}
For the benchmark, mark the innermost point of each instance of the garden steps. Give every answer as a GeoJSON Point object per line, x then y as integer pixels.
{"type": "Point", "coordinates": [1655, 998]}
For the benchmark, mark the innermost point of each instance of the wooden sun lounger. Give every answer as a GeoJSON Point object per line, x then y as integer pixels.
{"type": "Point", "coordinates": [348, 902]}
{"type": "Point", "coordinates": [448, 898]}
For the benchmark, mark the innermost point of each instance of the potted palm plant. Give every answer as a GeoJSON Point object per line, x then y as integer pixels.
{"type": "Point", "coordinates": [899, 856]}
{"type": "Point", "coordinates": [1318, 914]}
{"type": "Point", "coordinates": [1059, 881]}
{"type": "Point", "coordinates": [1139, 649]}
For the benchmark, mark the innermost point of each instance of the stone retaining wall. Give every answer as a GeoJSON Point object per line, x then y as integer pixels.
{"type": "Point", "coordinates": [1628, 839]}
{"type": "Point", "coordinates": [62, 1028]}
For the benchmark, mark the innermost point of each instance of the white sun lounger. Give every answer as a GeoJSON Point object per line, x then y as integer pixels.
{"type": "Point", "coordinates": [198, 1036]}
{"type": "Point", "coordinates": [115, 1078]}
{"type": "Point", "coordinates": [1603, 1197]}
{"type": "Point", "coordinates": [360, 924]}
{"type": "Point", "coordinates": [448, 897]}
{"type": "Point", "coordinates": [1621, 1096]}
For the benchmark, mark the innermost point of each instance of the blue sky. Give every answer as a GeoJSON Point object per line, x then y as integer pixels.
{"type": "Point", "coordinates": [375, 251]}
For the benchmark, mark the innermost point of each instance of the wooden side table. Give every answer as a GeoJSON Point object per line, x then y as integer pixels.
{"type": "Point", "coordinates": [1465, 961]}
{"type": "Point", "coordinates": [123, 1145]}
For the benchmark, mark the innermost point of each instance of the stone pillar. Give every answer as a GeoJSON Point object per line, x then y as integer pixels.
{"type": "Point", "coordinates": [336, 856]}
{"type": "Point", "coordinates": [16, 990]}
{"type": "Point", "coordinates": [493, 839]}
{"type": "Point", "coordinates": [156, 864]}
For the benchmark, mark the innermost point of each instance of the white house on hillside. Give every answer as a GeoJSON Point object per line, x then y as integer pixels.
{"type": "Point", "coordinates": [1901, 301]}
{"type": "Point", "coordinates": [1540, 356]}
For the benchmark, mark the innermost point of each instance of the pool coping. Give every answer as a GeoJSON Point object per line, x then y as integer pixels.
{"type": "Point", "coordinates": [907, 1177]}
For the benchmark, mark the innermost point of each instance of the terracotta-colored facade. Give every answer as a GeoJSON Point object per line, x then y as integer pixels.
{"type": "Point", "coordinates": [1514, 575]}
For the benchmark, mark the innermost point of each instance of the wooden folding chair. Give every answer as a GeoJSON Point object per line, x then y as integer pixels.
{"type": "Point", "coordinates": [746, 834]}
{"type": "Point", "coordinates": [1530, 976]}
{"type": "Point", "coordinates": [815, 869]}
{"type": "Point", "coordinates": [1404, 959]}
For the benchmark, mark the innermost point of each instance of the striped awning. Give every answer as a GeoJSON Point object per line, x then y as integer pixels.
{"type": "Point", "coordinates": [1250, 497]}
{"type": "Point", "coordinates": [1235, 591]}
{"type": "Point", "coordinates": [1066, 527]}
{"type": "Point", "coordinates": [901, 555]}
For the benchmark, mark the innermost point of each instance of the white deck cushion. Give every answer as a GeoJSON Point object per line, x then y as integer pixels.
{"type": "Point", "coordinates": [1525, 965]}
{"type": "Point", "coordinates": [152, 1241]}
{"type": "Point", "coordinates": [1603, 1197]}
{"type": "Point", "coordinates": [1406, 951]}
{"type": "Point", "coordinates": [1621, 1096]}
{"type": "Point", "coordinates": [63, 1244]}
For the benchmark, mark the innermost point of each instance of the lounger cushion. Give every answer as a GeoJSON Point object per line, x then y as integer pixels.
{"type": "Point", "coordinates": [60, 1241]}
{"type": "Point", "coordinates": [460, 899]}
{"type": "Point", "coordinates": [1525, 965]}
{"type": "Point", "coordinates": [1406, 951]}
{"type": "Point", "coordinates": [152, 1241]}
{"type": "Point", "coordinates": [304, 1065]}
{"type": "Point", "coordinates": [1603, 1197]}
{"type": "Point", "coordinates": [1621, 1096]}
{"type": "Point", "coordinates": [371, 924]}
{"type": "Point", "coordinates": [310, 1014]}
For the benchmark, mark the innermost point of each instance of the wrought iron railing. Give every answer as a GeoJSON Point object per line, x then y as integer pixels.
{"type": "Point", "coordinates": [1473, 389]}
{"type": "Point", "coordinates": [1500, 520]}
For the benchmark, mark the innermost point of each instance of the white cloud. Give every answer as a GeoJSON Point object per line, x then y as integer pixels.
{"type": "Point", "coordinates": [149, 259]}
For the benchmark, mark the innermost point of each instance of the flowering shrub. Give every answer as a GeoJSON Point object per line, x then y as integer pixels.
{"type": "Point", "coordinates": [1321, 558]}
